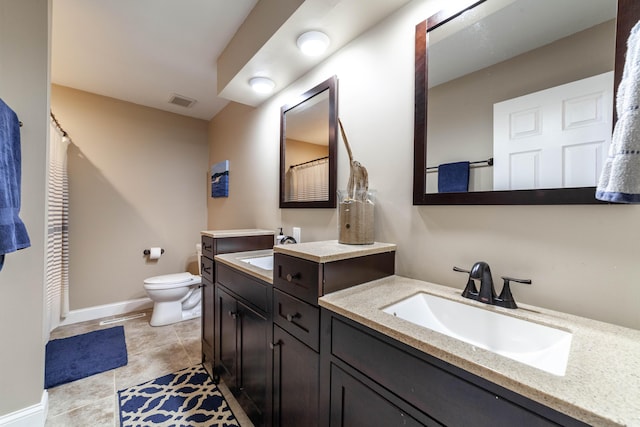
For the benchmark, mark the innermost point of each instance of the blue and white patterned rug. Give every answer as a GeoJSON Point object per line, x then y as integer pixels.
{"type": "Point", "coordinates": [184, 398]}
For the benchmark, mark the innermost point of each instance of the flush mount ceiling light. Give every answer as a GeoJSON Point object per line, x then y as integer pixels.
{"type": "Point", "coordinates": [262, 84]}
{"type": "Point", "coordinates": [313, 43]}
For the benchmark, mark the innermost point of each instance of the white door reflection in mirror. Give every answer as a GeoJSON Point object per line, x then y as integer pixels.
{"type": "Point", "coordinates": [554, 138]}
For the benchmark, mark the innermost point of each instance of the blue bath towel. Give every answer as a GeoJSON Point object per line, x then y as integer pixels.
{"type": "Point", "coordinates": [13, 233]}
{"type": "Point", "coordinates": [453, 177]}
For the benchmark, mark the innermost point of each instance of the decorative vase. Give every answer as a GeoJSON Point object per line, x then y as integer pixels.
{"type": "Point", "coordinates": [355, 217]}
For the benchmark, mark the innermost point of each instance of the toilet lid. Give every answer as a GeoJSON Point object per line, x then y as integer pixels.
{"type": "Point", "coordinates": [165, 279]}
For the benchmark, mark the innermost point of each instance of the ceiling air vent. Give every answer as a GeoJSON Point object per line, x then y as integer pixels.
{"type": "Point", "coordinates": [181, 101]}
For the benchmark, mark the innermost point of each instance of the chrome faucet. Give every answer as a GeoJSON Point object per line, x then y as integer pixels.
{"type": "Point", "coordinates": [487, 293]}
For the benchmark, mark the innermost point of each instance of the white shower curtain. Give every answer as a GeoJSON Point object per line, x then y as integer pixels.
{"type": "Point", "coordinates": [57, 236]}
{"type": "Point", "coordinates": [308, 181]}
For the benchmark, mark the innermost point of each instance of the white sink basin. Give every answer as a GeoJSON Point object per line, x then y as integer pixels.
{"type": "Point", "coordinates": [263, 262]}
{"type": "Point", "coordinates": [540, 346]}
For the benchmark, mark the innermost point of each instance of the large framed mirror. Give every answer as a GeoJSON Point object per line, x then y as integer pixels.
{"type": "Point", "coordinates": [308, 148]}
{"type": "Point", "coordinates": [514, 98]}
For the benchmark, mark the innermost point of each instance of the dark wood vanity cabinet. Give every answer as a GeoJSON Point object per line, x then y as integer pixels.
{"type": "Point", "coordinates": [242, 337]}
{"type": "Point", "coordinates": [296, 370]}
{"type": "Point", "coordinates": [371, 379]}
{"type": "Point", "coordinates": [212, 246]}
{"type": "Point", "coordinates": [297, 284]}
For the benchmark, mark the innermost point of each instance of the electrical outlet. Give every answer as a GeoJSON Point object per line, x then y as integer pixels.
{"type": "Point", "coordinates": [296, 234]}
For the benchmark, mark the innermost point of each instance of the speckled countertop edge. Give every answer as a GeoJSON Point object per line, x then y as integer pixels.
{"type": "Point", "coordinates": [331, 250]}
{"type": "Point", "coordinates": [235, 260]}
{"type": "Point", "coordinates": [602, 382]}
{"type": "Point", "coordinates": [237, 233]}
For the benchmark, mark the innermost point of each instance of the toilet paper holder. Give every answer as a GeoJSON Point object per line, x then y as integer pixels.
{"type": "Point", "coordinates": [148, 251]}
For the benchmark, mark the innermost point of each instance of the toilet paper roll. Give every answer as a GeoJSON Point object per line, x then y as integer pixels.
{"type": "Point", "coordinates": [154, 253]}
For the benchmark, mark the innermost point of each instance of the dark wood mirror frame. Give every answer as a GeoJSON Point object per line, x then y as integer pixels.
{"type": "Point", "coordinates": [628, 15]}
{"type": "Point", "coordinates": [331, 84]}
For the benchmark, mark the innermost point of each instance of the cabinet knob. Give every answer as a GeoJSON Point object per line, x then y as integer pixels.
{"type": "Point", "coordinates": [290, 276]}
{"type": "Point", "coordinates": [290, 317]}
{"type": "Point", "coordinates": [233, 314]}
{"type": "Point", "coordinates": [273, 345]}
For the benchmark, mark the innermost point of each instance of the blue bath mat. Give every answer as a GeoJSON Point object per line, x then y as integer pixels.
{"type": "Point", "coordinates": [184, 398]}
{"type": "Point", "coordinates": [69, 359]}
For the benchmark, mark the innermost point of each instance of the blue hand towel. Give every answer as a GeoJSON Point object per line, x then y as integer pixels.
{"type": "Point", "coordinates": [620, 178]}
{"type": "Point", "coordinates": [453, 177]}
{"type": "Point", "coordinates": [13, 233]}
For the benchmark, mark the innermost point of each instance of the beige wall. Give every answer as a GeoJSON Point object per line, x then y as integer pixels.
{"type": "Point", "coordinates": [137, 178]}
{"type": "Point", "coordinates": [300, 152]}
{"type": "Point", "coordinates": [24, 86]}
{"type": "Point", "coordinates": [582, 259]}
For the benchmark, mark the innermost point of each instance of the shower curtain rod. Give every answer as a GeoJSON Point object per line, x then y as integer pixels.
{"type": "Point", "coordinates": [310, 161]}
{"type": "Point", "coordinates": [64, 132]}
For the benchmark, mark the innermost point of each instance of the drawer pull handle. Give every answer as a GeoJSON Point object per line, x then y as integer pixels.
{"type": "Point", "coordinates": [273, 345]}
{"type": "Point", "coordinates": [291, 317]}
{"type": "Point", "coordinates": [233, 314]}
{"type": "Point", "coordinates": [207, 269]}
{"type": "Point", "coordinates": [291, 277]}
{"type": "Point", "coordinates": [206, 248]}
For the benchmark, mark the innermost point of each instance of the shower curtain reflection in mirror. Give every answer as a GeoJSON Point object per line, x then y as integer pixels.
{"type": "Point", "coordinates": [308, 181]}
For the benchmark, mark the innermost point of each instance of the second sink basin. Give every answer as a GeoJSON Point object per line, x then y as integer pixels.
{"type": "Point", "coordinates": [263, 262]}
{"type": "Point", "coordinates": [536, 345]}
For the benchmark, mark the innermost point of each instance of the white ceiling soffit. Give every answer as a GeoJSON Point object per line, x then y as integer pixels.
{"type": "Point", "coordinates": [279, 58]}
{"type": "Point", "coordinates": [149, 51]}
{"type": "Point", "coordinates": [145, 51]}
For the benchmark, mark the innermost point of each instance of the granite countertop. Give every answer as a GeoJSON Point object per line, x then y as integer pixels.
{"type": "Point", "coordinates": [216, 234]}
{"type": "Point", "coordinates": [235, 260]}
{"type": "Point", "coordinates": [602, 382]}
{"type": "Point", "coordinates": [331, 250]}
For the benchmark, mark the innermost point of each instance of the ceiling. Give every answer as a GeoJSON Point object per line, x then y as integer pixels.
{"type": "Point", "coordinates": [147, 51]}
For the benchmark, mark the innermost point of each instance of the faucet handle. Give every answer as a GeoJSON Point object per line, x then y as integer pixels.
{"type": "Point", "coordinates": [505, 299]}
{"type": "Point", "coordinates": [470, 291]}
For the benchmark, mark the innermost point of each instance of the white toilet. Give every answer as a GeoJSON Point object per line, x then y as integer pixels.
{"type": "Point", "coordinates": [176, 297]}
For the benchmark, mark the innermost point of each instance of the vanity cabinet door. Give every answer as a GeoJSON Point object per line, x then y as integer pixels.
{"type": "Point", "coordinates": [296, 370]}
{"type": "Point", "coordinates": [207, 319]}
{"type": "Point", "coordinates": [207, 307]}
{"type": "Point", "coordinates": [353, 404]}
{"type": "Point", "coordinates": [227, 338]}
{"type": "Point", "coordinates": [242, 353]}
{"type": "Point", "coordinates": [252, 361]}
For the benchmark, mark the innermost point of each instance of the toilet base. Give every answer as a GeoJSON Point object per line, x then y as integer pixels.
{"type": "Point", "coordinates": [166, 313]}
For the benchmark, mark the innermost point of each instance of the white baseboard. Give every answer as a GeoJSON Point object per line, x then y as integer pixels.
{"type": "Point", "coordinates": [106, 310]}
{"type": "Point", "coordinates": [31, 416]}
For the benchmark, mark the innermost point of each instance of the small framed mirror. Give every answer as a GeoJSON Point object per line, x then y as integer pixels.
{"type": "Point", "coordinates": [308, 147]}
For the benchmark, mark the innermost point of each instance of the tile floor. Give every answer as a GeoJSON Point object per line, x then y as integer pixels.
{"type": "Point", "coordinates": [152, 352]}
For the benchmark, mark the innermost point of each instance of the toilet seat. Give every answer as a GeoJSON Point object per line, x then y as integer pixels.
{"type": "Point", "coordinates": [168, 281]}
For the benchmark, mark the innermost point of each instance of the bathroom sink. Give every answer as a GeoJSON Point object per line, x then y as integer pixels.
{"type": "Point", "coordinates": [263, 262]}
{"type": "Point", "coordinates": [536, 345]}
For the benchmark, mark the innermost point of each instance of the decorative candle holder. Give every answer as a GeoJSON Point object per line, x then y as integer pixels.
{"type": "Point", "coordinates": [355, 217]}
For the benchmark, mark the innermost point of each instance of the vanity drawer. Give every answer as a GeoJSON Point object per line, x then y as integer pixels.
{"type": "Point", "coordinates": [251, 290]}
{"type": "Point", "coordinates": [300, 319]}
{"type": "Point", "coordinates": [206, 269]}
{"type": "Point", "coordinates": [297, 277]}
{"type": "Point", "coordinates": [207, 246]}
